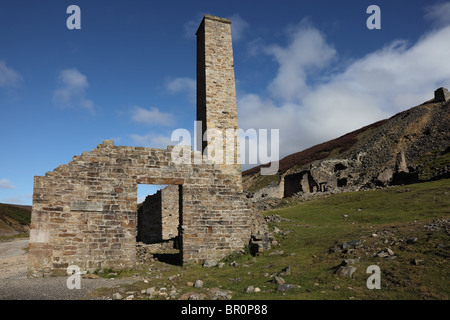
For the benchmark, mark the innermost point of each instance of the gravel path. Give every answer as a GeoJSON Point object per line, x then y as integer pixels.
{"type": "Point", "coordinates": [14, 284]}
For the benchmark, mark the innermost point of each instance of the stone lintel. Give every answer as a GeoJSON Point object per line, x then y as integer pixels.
{"type": "Point", "coordinates": [160, 181]}
{"type": "Point", "coordinates": [86, 206]}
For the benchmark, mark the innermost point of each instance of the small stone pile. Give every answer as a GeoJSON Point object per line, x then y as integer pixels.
{"type": "Point", "coordinates": [144, 252]}
{"type": "Point", "coordinates": [438, 225]}
{"type": "Point", "coordinates": [275, 218]}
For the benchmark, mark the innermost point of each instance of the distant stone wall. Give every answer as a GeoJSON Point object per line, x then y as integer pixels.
{"type": "Point", "coordinates": [441, 95]}
{"type": "Point", "coordinates": [158, 217]}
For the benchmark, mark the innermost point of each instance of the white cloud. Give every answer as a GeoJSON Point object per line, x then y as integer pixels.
{"type": "Point", "coordinates": [370, 88]}
{"type": "Point", "coordinates": [439, 14]}
{"type": "Point", "coordinates": [238, 27]}
{"type": "Point", "coordinates": [151, 140]}
{"type": "Point", "coordinates": [183, 85]}
{"type": "Point", "coordinates": [5, 184]}
{"type": "Point", "coordinates": [8, 76]}
{"type": "Point", "coordinates": [72, 91]}
{"type": "Point", "coordinates": [307, 52]}
{"type": "Point", "coordinates": [190, 28]}
{"type": "Point", "coordinates": [152, 116]}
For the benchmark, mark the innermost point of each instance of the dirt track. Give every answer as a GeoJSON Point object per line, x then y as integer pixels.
{"type": "Point", "coordinates": [14, 284]}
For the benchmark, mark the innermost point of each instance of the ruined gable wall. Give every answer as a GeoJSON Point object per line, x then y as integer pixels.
{"type": "Point", "coordinates": [84, 213]}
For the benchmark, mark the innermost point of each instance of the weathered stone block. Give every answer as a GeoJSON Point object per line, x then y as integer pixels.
{"type": "Point", "coordinates": [86, 206]}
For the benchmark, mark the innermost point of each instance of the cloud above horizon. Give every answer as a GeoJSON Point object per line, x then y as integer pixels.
{"type": "Point", "coordinates": [151, 116]}
{"type": "Point", "coordinates": [438, 14]}
{"type": "Point", "coordinates": [8, 76]}
{"type": "Point", "coordinates": [152, 140]}
{"type": "Point", "coordinates": [183, 85]}
{"type": "Point", "coordinates": [72, 90]}
{"type": "Point", "coordinates": [5, 184]}
{"type": "Point", "coordinates": [370, 88]}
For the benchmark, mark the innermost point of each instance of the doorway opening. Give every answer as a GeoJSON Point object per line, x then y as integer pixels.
{"type": "Point", "coordinates": [159, 214]}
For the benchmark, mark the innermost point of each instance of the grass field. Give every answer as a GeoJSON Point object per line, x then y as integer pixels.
{"type": "Point", "coordinates": [379, 219]}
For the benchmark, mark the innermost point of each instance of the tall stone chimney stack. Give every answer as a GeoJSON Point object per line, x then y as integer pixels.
{"type": "Point", "coordinates": [216, 92]}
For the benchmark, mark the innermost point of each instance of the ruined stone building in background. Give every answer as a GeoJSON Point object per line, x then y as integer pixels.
{"type": "Point", "coordinates": [84, 212]}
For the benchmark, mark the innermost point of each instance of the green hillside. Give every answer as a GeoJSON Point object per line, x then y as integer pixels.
{"type": "Point", "coordinates": [412, 221]}
{"type": "Point", "coordinates": [14, 220]}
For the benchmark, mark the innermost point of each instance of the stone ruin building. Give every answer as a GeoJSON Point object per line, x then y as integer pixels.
{"type": "Point", "coordinates": [85, 212]}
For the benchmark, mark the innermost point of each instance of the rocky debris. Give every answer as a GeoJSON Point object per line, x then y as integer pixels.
{"type": "Point", "coordinates": [345, 246]}
{"type": "Point", "coordinates": [278, 280]}
{"type": "Point", "coordinates": [252, 289]}
{"type": "Point", "coordinates": [265, 204]}
{"type": "Point", "coordinates": [355, 244]}
{"type": "Point", "coordinates": [218, 294]}
{"type": "Point", "coordinates": [193, 296]}
{"type": "Point", "coordinates": [117, 296]}
{"type": "Point", "coordinates": [151, 291]}
{"type": "Point", "coordinates": [209, 263]}
{"type": "Point", "coordinates": [260, 243]}
{"type": "Point", "coordinates": [276, 230]}
{"type": "Point", "coordinates": [411, 240]}
{"type": "Point", "coordinates": [286, 286]}
{"type": "Point", "coordinates": [198, 284]}
{"type": "Point", "coordinates": [211, 294]}
{"type": "Point", "coordinates": [348, 262]}
{"type": "Point", "coordinates": [286, 271]}
{"type": "Point", "coordinates": [416, 262]}
{"type": "Point", "coordinates": [275, 218]}
{"type": "Point", "coordinates": [142, 252]}
{"type": "Point", "coordinates": [276, 253]}
{"type": "Point", "coordinates": [385, 253]}
{"type": "Point", "coordinates": [345, 271]}
{"type": "Point", "coordinates": [438, 225]}
{"type": "Point", "coordinates": [90, 276]}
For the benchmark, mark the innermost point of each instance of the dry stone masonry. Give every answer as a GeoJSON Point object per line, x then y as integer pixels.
{"type": "Point", "coordinates": [85, 212]}
{"type": "Point", "coordinates": [158, 216]}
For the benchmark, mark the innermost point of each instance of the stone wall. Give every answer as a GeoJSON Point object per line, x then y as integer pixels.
{"type": "Point", "coordinates": [84, 213]}
{"type": "Point", "coordinates": [441, 95]}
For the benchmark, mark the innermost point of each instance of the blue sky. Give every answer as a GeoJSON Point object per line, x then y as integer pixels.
{"type": "Point", "coordinates": [309, 68]}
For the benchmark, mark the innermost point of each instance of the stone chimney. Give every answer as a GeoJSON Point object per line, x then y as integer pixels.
{"type": "Point", "coordinates": [441, 95]}
{"type": "Point", "coordinates": [216, 93]}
